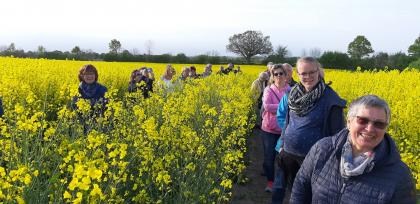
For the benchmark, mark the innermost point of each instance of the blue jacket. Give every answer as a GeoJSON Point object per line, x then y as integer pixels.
{"type": "Point", "coordinates": [329, 121]}
{"type": "Point", "coordinates": [319, 179]}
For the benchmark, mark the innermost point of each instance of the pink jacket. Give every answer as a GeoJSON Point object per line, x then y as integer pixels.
{"type": "Point", "coordinates": [271, 99]}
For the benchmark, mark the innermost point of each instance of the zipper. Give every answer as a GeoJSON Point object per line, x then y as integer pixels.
{"type": "Point", "coordinates": [342, 189]}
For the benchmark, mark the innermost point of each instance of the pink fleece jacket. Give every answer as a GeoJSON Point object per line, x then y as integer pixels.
{"type": "Point", "coordinates": [271, 99]}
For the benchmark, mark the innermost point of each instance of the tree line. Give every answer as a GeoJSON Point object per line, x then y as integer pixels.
{"type": "Point", "coordinates": [252, 47]}
{"type": "Point", "coordinates": [359, 53]}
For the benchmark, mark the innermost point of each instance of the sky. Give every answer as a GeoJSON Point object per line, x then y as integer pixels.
{"type": "Point", "coordinates": [198, 27]}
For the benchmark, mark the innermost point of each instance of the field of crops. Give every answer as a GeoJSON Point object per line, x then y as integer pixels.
{"type": "Point", "coordinates": [181, 146]}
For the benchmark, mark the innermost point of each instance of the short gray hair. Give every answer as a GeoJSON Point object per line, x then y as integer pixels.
{"type": "Point", "coordinates": [310, 60]}
{"type": "Point", "coordinates": [368, 101]}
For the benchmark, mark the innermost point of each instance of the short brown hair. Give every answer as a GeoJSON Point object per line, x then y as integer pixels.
{"type": "Point", "coordinates": [88, 68]}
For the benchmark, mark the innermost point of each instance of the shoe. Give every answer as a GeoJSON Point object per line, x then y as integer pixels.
{"type": "Point", "coordinates": [269, 187]}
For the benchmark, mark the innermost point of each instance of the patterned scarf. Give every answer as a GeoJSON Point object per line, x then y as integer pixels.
{"type": "Point", "coordinates": [350, 166]}
{"type": "Point", "coordinates": [302, 102]}
{"type": "Point", "coordinates": [88, 91]}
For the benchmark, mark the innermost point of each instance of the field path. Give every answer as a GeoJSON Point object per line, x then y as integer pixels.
{"type": "Point", "coordinates": [252, 191]}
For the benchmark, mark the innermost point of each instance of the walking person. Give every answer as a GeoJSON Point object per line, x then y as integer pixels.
{"type": "Point", "coordinates": [314, 111]}
{"type": "Point", "coordinates": [270, 130]}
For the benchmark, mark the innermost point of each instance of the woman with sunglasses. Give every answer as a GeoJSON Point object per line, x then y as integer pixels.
{"type": "Point", "coordinates": [270, 130]}
{"type": "Point", "coordinates": [313, 110]}
{"type": "Point", "coordinates": [360, 164]}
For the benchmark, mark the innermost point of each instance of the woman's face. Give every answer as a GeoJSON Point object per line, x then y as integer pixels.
{"type": "Point", "coordinates": [308, 75]}
{"type": "Point", "coordinates": [367, 128]}
{"type": "Point", "coordinates": [280, 76]}
{"type": "Point", "coordinates": [89, 77]}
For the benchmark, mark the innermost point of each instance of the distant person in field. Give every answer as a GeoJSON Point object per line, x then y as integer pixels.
{"type": "Point", "coordinates": [359, 164]}
{"type": "Point", "coordinates": [193, 72]}
{"type": "Point", "coordinates": [207, 71]}
{"type": "Point", "coordinates": [237, 70]}
{"type": "Point", "coordinates": [229, 68]}
{"type": "Point", "coordinates": [221, 70]}
{"type": "Point", "coordinates": [270, 130]}
{"type": "Point", "coordinates": [314, 111]}
{"type": "Point", "coordinates": [289, 69]}
{"type": "Point", "coordinates": [1, 108]}
{"type": "Point", "coordinates": [257, 89]}
{"type": "Point", "coordinates": [142, 80]}
{"type": "Point", "coordinates": [168, 76]}
{"type": "Point", "coordinates": [185, 73]}
{"type": "Point", "coordinates": [89, 88]}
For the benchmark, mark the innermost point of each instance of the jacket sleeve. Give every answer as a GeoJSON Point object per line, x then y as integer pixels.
{"type": "Point", "coordinates": [268, 102]}
{"type": "Point", "coordinates": [405, 192]}
{"type": "Point", "coordinates": [335, 121]}
{"type": "Point", "coordinates": [302, 189]}
{"type": "Point", "coordinates": [282, 112]}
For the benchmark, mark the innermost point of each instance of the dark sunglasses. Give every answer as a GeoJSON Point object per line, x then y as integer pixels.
{"type": "Point", "coordinates": [278, 74]}
{"type": "Point", "coordinates": [377, 124]}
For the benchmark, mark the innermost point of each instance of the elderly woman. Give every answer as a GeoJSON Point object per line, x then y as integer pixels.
{"type": "Point", "coordinates": [257, 89]}
{"type": "Point", "coordinates": [360, 164]}
{"type": "Point", "coordinates": [270, 130]}
{"type": "Point", "coordinates": [314, 111]}
{"type": "Point", "coordinates": [89, 88]}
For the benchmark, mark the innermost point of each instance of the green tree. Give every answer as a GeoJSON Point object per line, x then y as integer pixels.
{"type": "Point", "coordinates": [114, 46]}
{"type": "Point", "coordinates": [359, 47]}
{"type": "Point", "coordinates": [76, 50]}
{"type": "Point", "coordinates": [11, 47]}
{"type": "Point", "coordinates": [414, 49]}
{"type": "Point", "coordinates": [249, 44]}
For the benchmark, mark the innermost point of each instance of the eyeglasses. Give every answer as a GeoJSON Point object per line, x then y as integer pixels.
{"type": "Point", "coordinates": [311, 73]}
{"type": "Point", "coordinates": [278, 74]}
{"type": "Point", "coordinates": [377, 124]}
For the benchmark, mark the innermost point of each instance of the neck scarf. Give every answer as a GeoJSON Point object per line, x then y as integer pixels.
{"type": "Point", "coordinates": [350, 166]}
{"type": "Point", "coordinates": [88, 91]}
{"type": "Point", "coordinates": [302, 102]}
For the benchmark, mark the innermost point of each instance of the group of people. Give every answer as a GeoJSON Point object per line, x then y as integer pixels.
{"type": "Point", "coordinates": [321, 157]}
{"type": "Point", "coordinates": [229, 69]}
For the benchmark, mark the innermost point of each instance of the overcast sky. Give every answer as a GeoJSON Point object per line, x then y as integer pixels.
{"type": "Point", "coordinates": [196, 26]}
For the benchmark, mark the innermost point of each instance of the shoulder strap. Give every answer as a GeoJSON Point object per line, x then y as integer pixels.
{"type": "Point", "coordinates": [275, 94]}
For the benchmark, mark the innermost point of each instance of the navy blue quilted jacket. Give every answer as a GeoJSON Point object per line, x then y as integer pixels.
{"type": "Point", "coordinates": [319, 179]}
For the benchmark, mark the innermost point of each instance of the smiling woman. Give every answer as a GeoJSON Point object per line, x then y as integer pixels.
{"type": "Point", "coordinates": [360, 164]}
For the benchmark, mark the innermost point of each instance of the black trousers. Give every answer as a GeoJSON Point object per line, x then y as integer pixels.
{"type": "Point", "coordinates": [290, 164]}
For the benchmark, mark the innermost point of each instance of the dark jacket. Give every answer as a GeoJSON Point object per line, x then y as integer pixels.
{"type": "Point", "coordinates": [145, 85]}
{"type": "Point", "coordinates": [95, 93]}
{"type": "Point", "coordinates": [319, 179]}
{"type": "Point", "coordinates": [1, 108]}
{"type": "Point", "coordinates": [330, 106]}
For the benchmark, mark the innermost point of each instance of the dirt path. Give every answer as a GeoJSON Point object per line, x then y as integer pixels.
{"type": "Point", "coordinates": [253, 190]}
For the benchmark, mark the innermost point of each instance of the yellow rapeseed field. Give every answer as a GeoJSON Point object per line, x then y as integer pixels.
{"type": "Point", "coordinates": [185, 145]}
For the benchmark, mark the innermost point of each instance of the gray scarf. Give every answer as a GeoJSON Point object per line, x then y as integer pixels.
{"type": "Point", "coordinates": [350, 166]}
{"type": "Point", "coordinates": [302, 102]}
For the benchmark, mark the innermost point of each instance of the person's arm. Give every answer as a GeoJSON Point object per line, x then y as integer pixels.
{"type": "Point", "coordinates": [335, 121]}
{"type": "Point", "coordinates": [282, 112]}
{"type": "Point", "coordinates": [302, 189]}
{"type": "Point", "coordinates": [268, 103]}
{"type": "Point", "coordinates": [405, 192]}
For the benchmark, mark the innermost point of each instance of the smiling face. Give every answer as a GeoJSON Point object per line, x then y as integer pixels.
{"type": "Point", "coordinates": [366, 129]}
{"type": "Point", "coordinates": [89, 77]}
{"type": "Point", "coordinates": [308, 74]}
